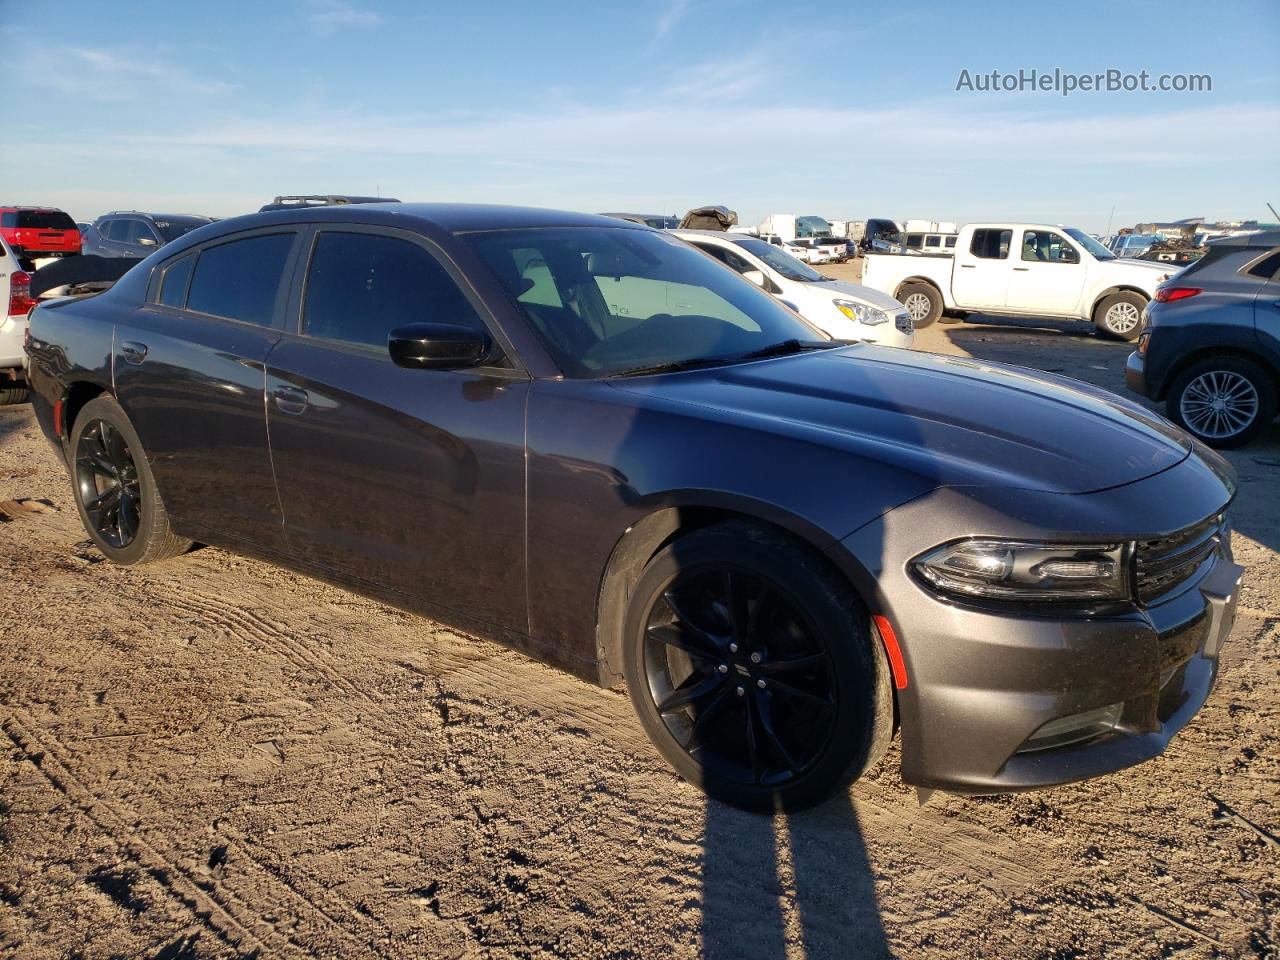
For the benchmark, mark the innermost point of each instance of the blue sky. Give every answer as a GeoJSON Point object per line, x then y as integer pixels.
{"type": "Point", "coordinates": [841, 109]}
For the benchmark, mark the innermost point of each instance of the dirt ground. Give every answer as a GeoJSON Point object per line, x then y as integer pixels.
{"type": "Point", "coordinates": [215, 758]}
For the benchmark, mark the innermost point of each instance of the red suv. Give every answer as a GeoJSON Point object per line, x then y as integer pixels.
{"type": "Point", "coordinates": [36, 232]}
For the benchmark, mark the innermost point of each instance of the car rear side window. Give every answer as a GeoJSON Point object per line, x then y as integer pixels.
{"type": "Point", "coordinates": [239, 280]}
{"type": "Point", "coordinates": [991, 244]}
{"type": "Point", "coordinates": [173, 285]}
{"type": "Point", "coordinates": [1268, 268]}
{"type": "Point", "coordinates": [361, 286]}
{"type": "Point", "coordinates": [727, 257]}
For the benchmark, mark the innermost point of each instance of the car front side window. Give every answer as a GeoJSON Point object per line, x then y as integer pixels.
{"type": "Point", "coordinates": [361, 286]}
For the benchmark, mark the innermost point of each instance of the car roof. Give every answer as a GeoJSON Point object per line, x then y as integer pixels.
{"type": "Point", "coordinates": [1263, 238]}
{"type": "Point", "coordinates": [27, 206]}
{"type": "Point", "coordinates": [451, 217]}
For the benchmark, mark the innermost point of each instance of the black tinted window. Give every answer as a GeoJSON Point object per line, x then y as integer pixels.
{"type": "Point", "coordinates": [45, 220]}
{"type": "Point", "coordinates": [361, 286]}
{"type": "Point", "coordinates": [727, 257]}
{"type": "Point", "coordinates": [239, 280]}
{"type": "Point", "coordinates": [1267, 268]}
{"type": "Point", "coordinates": [173, 286]}
{"type": "Point", "coordinates": [991, 244]}
{"type": "Point", "coordinates": [116, 229]}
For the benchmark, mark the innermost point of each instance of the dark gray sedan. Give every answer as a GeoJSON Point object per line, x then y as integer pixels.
{"type": "Point", "coordinates": [586, 439]}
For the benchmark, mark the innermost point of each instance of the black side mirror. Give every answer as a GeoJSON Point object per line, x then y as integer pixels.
{"type": "Point", "coordinates": [438, 346]}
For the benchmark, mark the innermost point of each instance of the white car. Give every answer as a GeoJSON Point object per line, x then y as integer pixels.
{"type": "Point", "coordinates": [790, 247]}
{"type": "Point", "coordinates": [15, 287]}
{"type": "Point", "coordinates": [844, 310]}
{"type": "Point", "coordinates": [1022, 270]}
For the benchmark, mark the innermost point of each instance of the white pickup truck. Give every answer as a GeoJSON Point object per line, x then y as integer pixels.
{"type": "Point", "coordinates": [1021, 270]}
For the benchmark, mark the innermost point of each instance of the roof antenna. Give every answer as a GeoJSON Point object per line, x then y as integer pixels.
{"type": "Point", "coordinates": [1273, 212]}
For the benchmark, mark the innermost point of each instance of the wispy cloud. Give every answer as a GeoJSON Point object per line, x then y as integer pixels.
{"type": "Point", "coordinates": [326, 16]}
{"type": "Point", "coordinates": [117, 76]}
{"type": "Point", "coordinates": [671, 14]}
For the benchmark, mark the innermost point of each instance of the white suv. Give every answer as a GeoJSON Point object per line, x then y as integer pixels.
{"type": "Point", "coordinates": [15, 288]}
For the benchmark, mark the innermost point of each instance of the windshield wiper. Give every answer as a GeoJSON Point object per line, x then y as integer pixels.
{"type": "Point", "coordinates": [787, 346]}
{"type": "Point", "coordinates": [673, 366]}
{"type": "Point", "coordinates": [773, 350]}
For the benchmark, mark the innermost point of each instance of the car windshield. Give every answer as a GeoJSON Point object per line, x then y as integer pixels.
{"type": "Point", "coordinates": [1093, 246]}
{"type": "Point", "coordinates": [607, 301]}
{"type": "Point", "coordinates": [780, 260]}
{"type": "Point", "coordinates": [171, 228]}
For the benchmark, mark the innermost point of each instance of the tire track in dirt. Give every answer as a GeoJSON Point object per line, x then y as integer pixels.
{"type": "Point", "coordinates": [213, 907]}
{"type": "Point", "coordinates": [972, 850]}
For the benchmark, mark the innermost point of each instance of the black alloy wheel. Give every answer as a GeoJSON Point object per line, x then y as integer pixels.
{"type": "Point", "coordinates": [739, 676]}
{"type": "Point", "coordinates": [753, 667]}
{"type": "Point", "coordinates": [107, 483]}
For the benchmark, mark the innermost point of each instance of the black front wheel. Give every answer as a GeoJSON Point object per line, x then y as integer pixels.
{"type": "Point", "coordinates": [752, 666]}
{"type": "Point", "coordinates": [114, 489]}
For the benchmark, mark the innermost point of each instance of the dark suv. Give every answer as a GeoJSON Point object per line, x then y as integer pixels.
{"type": "Point", "coordinates": [36, 232]}
{"type": "Point", "coordinates": [1210, 345]}
{"type": "Point", "coordinates": [129, 233]}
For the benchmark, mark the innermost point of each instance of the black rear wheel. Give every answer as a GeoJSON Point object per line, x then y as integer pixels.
{"type": "Point", "coordinates": [114, 489]}
{"type": "Point", "coordinates": [752, 667]}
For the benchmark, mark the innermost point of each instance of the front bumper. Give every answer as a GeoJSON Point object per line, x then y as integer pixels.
{"type": "Point", "coordinates": [982, 682]}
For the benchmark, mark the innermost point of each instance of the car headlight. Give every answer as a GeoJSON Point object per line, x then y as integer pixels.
{"type": "Point", "coordinates": [1034, 572]}
{"type": "Point", "coordinates": [861, 312]}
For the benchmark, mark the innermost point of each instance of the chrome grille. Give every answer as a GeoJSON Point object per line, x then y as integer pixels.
{"type": "Point", "coordinates": [1165, 563]}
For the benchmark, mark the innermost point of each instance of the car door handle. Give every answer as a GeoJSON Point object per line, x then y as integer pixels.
{"type": "Point", "coordinates": [133, 351]}
{"type": "Point", "coordinates": [1022, 269]}
{"type": "Point", "coordinates": [967, 266]}
{"type": "Point", "coordinates": [290, 399]}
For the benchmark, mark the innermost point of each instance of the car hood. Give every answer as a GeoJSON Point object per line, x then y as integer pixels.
{"type": "Point", "coordinates": [842, 289]}
{"type": "Point", "coordinates": [951, 420]}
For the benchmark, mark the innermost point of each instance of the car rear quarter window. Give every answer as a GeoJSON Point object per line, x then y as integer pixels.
{"type": "Point", "coordinates": [991, 244]}
{"type": "Point", "coordinates": [174, 282]}
{"type": "Point", "coordinates": [1268, 268]}
{"type": "Point", "coordinates": [361, 286]}
{"type": "Point", "coordinates": [239, 280]}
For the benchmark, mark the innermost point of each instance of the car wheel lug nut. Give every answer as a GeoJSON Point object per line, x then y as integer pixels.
{"type": "Point", "coordinates": [723, 668]}
{"type": "Point", "coordinates": [742, 692]}
{"type": "Point", "coordinates": [733, 648]}
{"type": "Point", "coordinates": [755, 658]}
{"type": "Point", "coordinates": [761, 684]}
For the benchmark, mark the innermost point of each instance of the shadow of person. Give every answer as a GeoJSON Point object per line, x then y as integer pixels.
{"type": "Point", "coordinates": [790, 885]}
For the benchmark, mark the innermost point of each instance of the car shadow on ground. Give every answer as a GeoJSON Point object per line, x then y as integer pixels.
{"type": "Point", "coordinates": [815, 862]}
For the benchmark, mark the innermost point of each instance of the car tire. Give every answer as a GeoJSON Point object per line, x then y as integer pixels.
{"type": "Point", "coordinates": [922, 301]}
{"type": "Point", "coordinates": [12, 395]}
{"type": "Point", "coordinates": [105, 454]}
{"type": "Point", "coordinates": [786, 704]}
{"type": "Point", "coordinates": [1119, 316]}
{"type": "Point", "coordinates": [1247, 393]}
